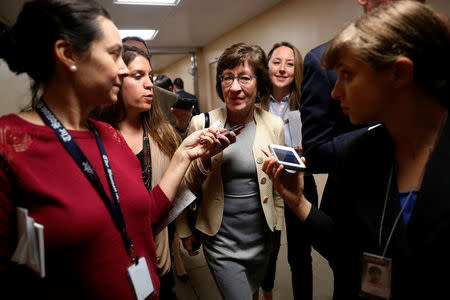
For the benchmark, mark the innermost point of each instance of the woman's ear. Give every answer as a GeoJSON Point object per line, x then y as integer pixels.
{"type": "Point", "coordinates": [64, 54]}
{"type": "Point", "coordinates": [402, 72]}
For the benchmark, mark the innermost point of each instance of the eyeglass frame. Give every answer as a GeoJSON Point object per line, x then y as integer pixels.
{"type": "Point", "coordinates": [236, 77]}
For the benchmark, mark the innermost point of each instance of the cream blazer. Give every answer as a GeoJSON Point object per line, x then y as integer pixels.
{"type": "Point", "coordinates": [159, 163]}
{"type": "Point", "coordinates": [269, 129]}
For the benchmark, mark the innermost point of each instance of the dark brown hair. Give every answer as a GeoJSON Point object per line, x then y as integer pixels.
{"type": "Point", "coordinates": [154, 121]}
{"type": "Point", "coordinates": [255, 56]}
{"type": "Point", "coordinates": [41, 23]}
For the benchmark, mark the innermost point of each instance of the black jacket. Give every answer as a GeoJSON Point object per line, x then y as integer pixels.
{"type": "Point", "coordinates": [356, 196]}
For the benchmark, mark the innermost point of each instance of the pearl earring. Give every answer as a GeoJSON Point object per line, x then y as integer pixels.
{"type": "Point", "coordinates": [73, 68]}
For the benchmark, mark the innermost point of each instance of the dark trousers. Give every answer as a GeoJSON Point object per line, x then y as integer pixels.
{"type": "Point", "coordinates": [299, 251]}
{"type": "Point", "coordinates": [167, 282]}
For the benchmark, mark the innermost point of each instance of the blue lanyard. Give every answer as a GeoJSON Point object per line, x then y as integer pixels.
{"type": "Point", "coordinates": [86, 167]}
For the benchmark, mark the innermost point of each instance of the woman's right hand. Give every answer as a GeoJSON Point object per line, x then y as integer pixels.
{"type": "Point", "coordinates": [191, 244]}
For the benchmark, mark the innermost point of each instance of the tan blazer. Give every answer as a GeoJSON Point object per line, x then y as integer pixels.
{"type": "Point", "coordinates": [269, 129]}
{"type": "Point", "coordinates": [160, 161]}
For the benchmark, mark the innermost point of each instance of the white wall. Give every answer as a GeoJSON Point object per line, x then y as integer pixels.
{"type": "Point", "coordinates": [14, 90]}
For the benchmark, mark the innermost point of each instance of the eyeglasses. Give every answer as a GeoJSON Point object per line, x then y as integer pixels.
{"type": "Point", "coordinates": [227, 80]}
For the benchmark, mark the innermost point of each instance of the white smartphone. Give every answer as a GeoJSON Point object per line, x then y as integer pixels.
{"type": "Point", "coordinates": [288, 157]}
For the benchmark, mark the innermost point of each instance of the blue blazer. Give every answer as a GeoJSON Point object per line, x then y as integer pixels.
{"type": "Point", "coordinates": [325, 126]}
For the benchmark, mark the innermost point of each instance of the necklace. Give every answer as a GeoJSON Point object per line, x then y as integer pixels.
{"type": "Point", "coordinates": [147, 170]}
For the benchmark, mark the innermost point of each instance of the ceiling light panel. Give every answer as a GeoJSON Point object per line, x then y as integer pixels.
{"type": "Point", "coordinates": [148, 2]}
{"type": "Point", "coordinates": [147, 35]}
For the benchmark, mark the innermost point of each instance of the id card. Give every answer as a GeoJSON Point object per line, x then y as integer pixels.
{"type": "Point", "coordinates": [376, 276]}
{"type": "Point", "coordinates": [140, 279]}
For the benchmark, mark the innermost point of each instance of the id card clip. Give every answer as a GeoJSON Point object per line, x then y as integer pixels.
{"type": "Point", "coordinates": [141, 280]}
{"type": "Point", "coordinates": [376, 276]}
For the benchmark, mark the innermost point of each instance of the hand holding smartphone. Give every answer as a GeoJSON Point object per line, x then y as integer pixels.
{"type": "Point", "coordinates": [236, 129]}
{"type": "Point", "coordinates": [288, 157]}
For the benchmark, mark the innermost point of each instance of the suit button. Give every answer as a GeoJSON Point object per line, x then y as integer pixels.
{"type": "Point", "coordinates": [265, 199]}
{"type": "Point", "coordinates": [263, 180]}
{"type": "Point", "coordinates": [260, 160]}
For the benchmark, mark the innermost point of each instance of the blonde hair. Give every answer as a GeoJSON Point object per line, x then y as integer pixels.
{"type": "Point", "coordinates": [295, 94]}
{"type": "Point", "coordinates": [399, 29]}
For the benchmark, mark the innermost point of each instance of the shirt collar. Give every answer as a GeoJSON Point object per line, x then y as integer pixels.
{"type": "Point", "coordinates": [284, 99]}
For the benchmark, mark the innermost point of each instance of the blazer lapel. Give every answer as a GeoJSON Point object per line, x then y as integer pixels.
{"type": "Point", "coordinates": [433, 200]}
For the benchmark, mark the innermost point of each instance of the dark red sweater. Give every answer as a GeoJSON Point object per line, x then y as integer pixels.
{"type": "Point", "coordinates": [84, 252]}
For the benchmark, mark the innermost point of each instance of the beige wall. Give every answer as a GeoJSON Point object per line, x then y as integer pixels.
{"type": "Point", "coordinates": [180, 69]}
{"type": "Point", "coordinates": [14, 90]}
{"type": "Point", "coordinates": [304, 23]}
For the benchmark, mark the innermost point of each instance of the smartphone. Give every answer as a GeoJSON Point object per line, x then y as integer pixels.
{"type": "Point", "coordinates": [184, 103]}
{"type": "Point", "coordinates": [235, 129]}
{"type": "Point", "coordinates": [288, 157]}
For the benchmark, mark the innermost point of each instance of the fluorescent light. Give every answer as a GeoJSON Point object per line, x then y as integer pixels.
{"type": "Point", "coordinates": [148, 2]}
{"type": "Point", "coordinates": [149, 34]}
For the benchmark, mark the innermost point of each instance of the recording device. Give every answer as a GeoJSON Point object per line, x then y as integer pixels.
{"type": "Point", "coordinates": [166, 99]}
{"type": "Point", "coordinates": [184, 103]}
{"type": "Point", "coordinates": [235, 129]}
{"type": "Point", "coordinates": [288, 157]}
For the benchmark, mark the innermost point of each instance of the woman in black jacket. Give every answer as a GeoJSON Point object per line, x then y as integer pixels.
{"type": "Point", "coordinates": [390, 200]}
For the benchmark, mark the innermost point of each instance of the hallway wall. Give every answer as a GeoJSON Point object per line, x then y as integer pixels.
{"type": "Point", "coordinates": [305, 24]}
{"type": "Point", "coordinates": [301, 22]}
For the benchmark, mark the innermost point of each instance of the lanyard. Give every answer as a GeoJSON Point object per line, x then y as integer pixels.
{"type": "Point", "coordinates": [384, 211]}
{"type": "Point", "coordinates": [86, 167]}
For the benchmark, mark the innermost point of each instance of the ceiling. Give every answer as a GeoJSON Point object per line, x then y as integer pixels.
{"type": "Point", "coordinates": [183, 28]}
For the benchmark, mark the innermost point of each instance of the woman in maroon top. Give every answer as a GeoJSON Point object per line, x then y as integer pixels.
{"type": "Point", "coordinates": [91, 238]}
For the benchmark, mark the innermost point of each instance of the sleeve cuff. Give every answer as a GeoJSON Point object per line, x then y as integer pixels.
{"type": "Point", "coordinates": [160, 203]}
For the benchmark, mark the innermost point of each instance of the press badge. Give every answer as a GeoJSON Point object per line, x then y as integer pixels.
{"type": "Point", "coordinates": [376, 276]}
{"type": "Point", "coordinates": [140, 279]}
